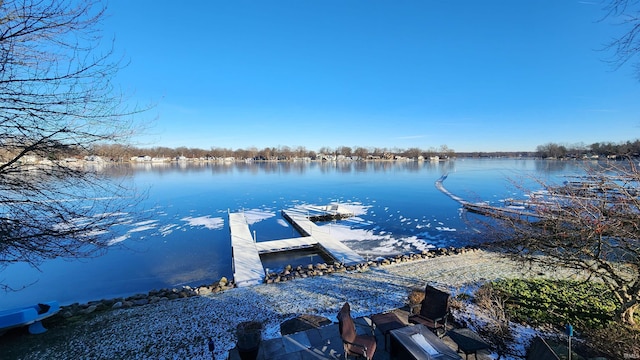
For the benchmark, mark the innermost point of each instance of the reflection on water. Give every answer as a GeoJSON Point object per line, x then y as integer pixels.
{"type": "Point", "coordinates": [272, 167]}
{"type": "Point", "coordinates": [301, 167]}
{"type": "Point", "coordinates": [277, 262]}
{"type": "Point", "coordinates": [402, 211]}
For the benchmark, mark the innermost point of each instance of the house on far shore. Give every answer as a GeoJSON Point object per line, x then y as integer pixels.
{"type": "Point", "coordinates": [93, 158]}
{"type": "Point", "coordinates": [141, 158]}
{"type": "Point", "coordinates": [326, 157]}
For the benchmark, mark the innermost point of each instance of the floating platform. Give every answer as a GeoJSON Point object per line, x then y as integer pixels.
{"type": "Point", "coordinates": [245, 251]}
{"type": "Point", "coordinates": [324, 213]}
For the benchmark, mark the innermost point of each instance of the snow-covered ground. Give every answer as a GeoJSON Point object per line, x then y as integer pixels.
{"type": "Point", "coordinates": [179, 329]}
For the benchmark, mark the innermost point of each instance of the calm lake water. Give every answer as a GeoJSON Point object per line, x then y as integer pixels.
{"type": "Point", "coordinates": [181, 235]}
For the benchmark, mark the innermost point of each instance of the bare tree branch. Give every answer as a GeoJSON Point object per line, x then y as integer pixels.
{"type": "Point", "coordinates": [626, 47]}
{"type": "Point", "coordinates": [56, 98]}
{"type": "Point", "coordinates": [590, 225]}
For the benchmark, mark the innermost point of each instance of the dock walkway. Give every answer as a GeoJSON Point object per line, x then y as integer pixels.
{"type": "Point", "coordinates": [307, 228]}
{"type": "Point", "coordinates": [266, 247]}
{"type": "Point", "coordinates": [247, 265]}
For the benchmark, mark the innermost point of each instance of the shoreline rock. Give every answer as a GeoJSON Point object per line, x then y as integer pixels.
{"type": "Point", "coordinates": [182, 329]}
{"type": "Point", "coordinates": [289, 273]}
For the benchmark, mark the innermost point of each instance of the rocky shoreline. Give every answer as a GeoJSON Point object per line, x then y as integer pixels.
{"type": "Point", "coordinates": [288, 274]}
{"type": "Point", "coordinates": [180, 328]}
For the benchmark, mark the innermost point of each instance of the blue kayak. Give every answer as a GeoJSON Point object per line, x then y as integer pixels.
{"type": "Point", "coordinates": [30, 316]}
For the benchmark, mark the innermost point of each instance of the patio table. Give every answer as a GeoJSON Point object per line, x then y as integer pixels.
{"type": "Point", "coordinates": [467, 341]}
{"type": "Point", "coordinates": [420, 343]}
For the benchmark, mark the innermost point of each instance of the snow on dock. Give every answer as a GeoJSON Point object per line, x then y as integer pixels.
{"type": "Point", "coordinates": [266, 247]}
{"type": "Point", "coordinates": [247, 265]}
{"type": "Point", "coordinates": [339, 251]}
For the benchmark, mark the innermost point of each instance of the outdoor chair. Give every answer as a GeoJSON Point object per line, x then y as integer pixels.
{"type": "Point", "coordinates": [434, 311]}
{"type": "Point", "coordinates": [354, 344]}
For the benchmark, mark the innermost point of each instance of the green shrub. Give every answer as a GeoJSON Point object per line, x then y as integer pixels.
{"type": "Point", "coordinates": [557, 302]}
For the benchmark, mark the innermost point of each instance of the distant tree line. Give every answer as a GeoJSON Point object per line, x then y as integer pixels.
{"type": "Point", "coordinates": [604, 149]}
{"type": "Point", "coordinates": [549, 150]}
{"type": "Point", "coordinates": [120, 153]}
{"type": "Point", "coordinates": [117, 152]}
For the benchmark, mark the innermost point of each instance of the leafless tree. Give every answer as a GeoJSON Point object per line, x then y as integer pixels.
{"type": "Point", "coordinates": [380, 152]}
{"type": "Point", "coordinates": [626, 47]}
{"type": "Point", "coordinates": [114, 152]}
{"type": "Point", "coordinates": [56, 97]}
{"type": "Point", "coordinates": [345, 150]}
{"type": "Point", "coordinates": [252, 152]}
{"type": "Point", "coordinates": [413, 153]}
{"type": "Point", "coordinates": [361, 152]}
{"type": "Point", "coordinates": [269, 153]}
{"type": "Point", "coordinates": [431, 151]}
{"type": "Point", "coordinates": [552, 150]}
{"type": "Point", "coordinates": [219, 152]}
{"type": "Point", "coordinates": [445, 151]}
{"type": "Point", "coordinates": [591, 225]}
{"type": "Point", "coordinates": [325, 150]}
{"type": "Point", "coordinates": [285, 152]}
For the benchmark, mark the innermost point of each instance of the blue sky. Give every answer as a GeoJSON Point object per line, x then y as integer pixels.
{"type": "Point", "coordinates": [495, 75]}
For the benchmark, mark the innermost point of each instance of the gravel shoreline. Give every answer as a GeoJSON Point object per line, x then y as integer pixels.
{"type": "Point", "coordinates": [179, 329]}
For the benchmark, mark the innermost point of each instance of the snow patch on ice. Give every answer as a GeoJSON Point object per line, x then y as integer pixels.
{"type": "Point", "coordinates": [444, 228]}
{"type": "Point", "coordinates": [167, 229]}
{"type": "Point", "coordinates": [118, 239]}
{"type": "Point", "coordinates": [345, 233]}
{"type": "Point", "coordinates": [206, 221]}
{"type": "Point", "coordinates": [256, 215]}
{"type": "Point", "coordinates": [417, 243]}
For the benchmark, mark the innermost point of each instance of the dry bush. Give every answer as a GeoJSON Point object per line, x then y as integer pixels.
{"type": "Point", "coordinates": [415, 300]}
{"type": "Point", "coordinates": [616, 340]}
{"type": "Point", "coordinates": [456, 303]}
{"type": "Point", "coordinates": [496, 330]}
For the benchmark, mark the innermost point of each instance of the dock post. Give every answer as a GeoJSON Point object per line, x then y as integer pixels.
{"type": "Point", "coordinates": [233, 263]}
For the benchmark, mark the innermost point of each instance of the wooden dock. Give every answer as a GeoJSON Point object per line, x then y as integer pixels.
{"type": "Point", "coordinates": [267, 247]}
{"type": "Point", "coordinates": [247, 266]}
{"type": "Point", "coordinates": [307, 228]}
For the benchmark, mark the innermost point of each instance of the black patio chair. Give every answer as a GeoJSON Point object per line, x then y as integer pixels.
{"type": "Point", "coordinates": [434, 311]}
